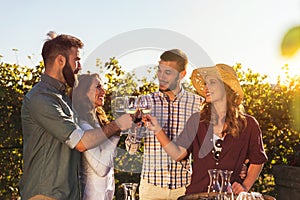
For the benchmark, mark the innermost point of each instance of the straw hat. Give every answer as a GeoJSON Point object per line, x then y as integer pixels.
{"type": "Point", "coordinates": [223, 72]}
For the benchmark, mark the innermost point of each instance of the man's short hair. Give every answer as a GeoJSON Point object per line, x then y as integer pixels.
{"type": "Point", "coordinates": [176, 55]}
{"type": "Point", "coordinates": [61, 44]}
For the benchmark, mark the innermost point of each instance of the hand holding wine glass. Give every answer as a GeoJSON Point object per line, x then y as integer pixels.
{"type": "Point", "coordinates": [125, 105]}
{"type": "Point", "coordinates": [144, 107]}
{"type": "Point", "coordinates": [132, 107]}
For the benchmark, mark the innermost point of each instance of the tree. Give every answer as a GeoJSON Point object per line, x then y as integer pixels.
{"type": "Point", "coordinates": [271, 105]}
{"type": "Point", "coordinates": [15, 81]}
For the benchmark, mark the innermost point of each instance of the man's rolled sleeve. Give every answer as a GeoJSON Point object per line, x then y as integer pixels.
{"type": "Point", "coordinates": [75, 137]}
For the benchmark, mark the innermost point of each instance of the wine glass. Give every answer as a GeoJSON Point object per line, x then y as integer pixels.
{"type": "Point", "coordinates": [130, 108]}
{"type": "Point", "coordinates": [226, 188]}
{"type": "Point", "coordinates": [214, 185]}
{"type": "Point", "coordinates": [130, 104]}
{"type": "Point", "coordinates": [120, 105]}
{"type": "Point", "coordinates": [120, 108]}
{"type": "Point", "coordinates": [144, 105]}
{"type": "Point", "coordinates": [129, 190]}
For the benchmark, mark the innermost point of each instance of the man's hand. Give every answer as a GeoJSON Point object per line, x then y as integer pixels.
{"type": "Point", "coordinates": [244, 170]}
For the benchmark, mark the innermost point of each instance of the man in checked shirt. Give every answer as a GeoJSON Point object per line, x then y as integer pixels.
{"type": "Point", "coordinates": [161, 177]}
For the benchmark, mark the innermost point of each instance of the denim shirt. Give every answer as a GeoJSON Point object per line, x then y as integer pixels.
{"type": "Point", "coordinates": [51, 166]}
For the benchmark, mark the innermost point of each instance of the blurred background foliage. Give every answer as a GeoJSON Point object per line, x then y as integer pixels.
{"type": "Point", "coordinates": [15, 81]}
{"type": "Point", "coordinates": [290, 44]}
{"type": "Point", "coordinates": [275, 106]}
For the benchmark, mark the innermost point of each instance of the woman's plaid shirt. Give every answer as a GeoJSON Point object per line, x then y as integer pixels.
{"type": "Point", "coordinates": [158, 168]}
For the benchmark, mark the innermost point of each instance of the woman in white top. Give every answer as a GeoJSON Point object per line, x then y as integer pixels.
{"type": "Point", "coordinates": [97, 170]}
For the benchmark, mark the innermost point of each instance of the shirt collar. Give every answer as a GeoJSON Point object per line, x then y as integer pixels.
{"type": "Point", "coordinates": [177, 96]}
{"type": "Point", "coordinates": [53, 82]}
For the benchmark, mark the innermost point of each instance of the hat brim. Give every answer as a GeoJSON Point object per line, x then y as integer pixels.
{"type": "Point", "coordinates": [224, 72]}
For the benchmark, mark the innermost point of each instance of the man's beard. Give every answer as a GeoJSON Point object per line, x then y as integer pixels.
{"type": "Point", "coordinates": [69, 75]}
{"type": "Point", "coordinates": [172, 86]}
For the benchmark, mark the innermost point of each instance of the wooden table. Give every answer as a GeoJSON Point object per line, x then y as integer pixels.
{"type": "Point", "coordinates": [205, 196]}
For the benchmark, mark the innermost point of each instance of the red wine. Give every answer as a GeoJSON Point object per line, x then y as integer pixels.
{"type": "Point", "coordinates": [137, 116]}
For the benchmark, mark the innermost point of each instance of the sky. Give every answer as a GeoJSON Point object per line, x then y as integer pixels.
{"type": "Point", "coordinates": [229, 31]}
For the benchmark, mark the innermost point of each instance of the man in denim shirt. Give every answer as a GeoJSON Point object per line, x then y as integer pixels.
{"type": "Point", "coordinates": [52, 139]}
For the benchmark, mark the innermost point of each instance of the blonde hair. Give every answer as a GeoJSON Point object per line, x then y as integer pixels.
{"type": "Point", "coordinates": [82, 104]}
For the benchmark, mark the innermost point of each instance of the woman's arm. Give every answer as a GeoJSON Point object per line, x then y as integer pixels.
{"type": "Point", "coordinates": [100, 158]}
{"type": "Point", "coordinates": [174, 151]}
{"type": "Point", "coordinates": [256, 154]}
{"type": "Point", "coordinates": [95, 136]}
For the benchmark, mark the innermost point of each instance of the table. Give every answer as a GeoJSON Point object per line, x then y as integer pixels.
{"type": "Point", "coordinates": [205, 196]}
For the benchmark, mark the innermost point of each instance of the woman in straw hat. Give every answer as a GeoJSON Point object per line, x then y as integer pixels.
{"type": "Point", "coordinates": [221, 136]}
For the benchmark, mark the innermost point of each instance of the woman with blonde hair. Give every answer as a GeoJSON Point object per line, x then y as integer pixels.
{"type": "Point", "coordinates": [97, 170]}
{"type": "Point", "coordinates": [221, 136]}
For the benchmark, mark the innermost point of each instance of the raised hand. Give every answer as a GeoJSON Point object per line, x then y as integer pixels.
{"type": "Point", "coordinates": [124, 122]}
{"type": "Point", "coordinates": [152, 124]}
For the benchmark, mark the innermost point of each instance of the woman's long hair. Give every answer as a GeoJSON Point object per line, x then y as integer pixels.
{"type": "Point", "coordinates": [235, 119]}
{"type": "Point", "coordinates": [82, 104]}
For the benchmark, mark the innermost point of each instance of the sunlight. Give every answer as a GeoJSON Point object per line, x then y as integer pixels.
{"type": "Point", "coordinates": [285, 69]}
{"type": "Point", "coordinates": [291, 69]}
{"type": "Point", "coordinates": [294, 65]}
